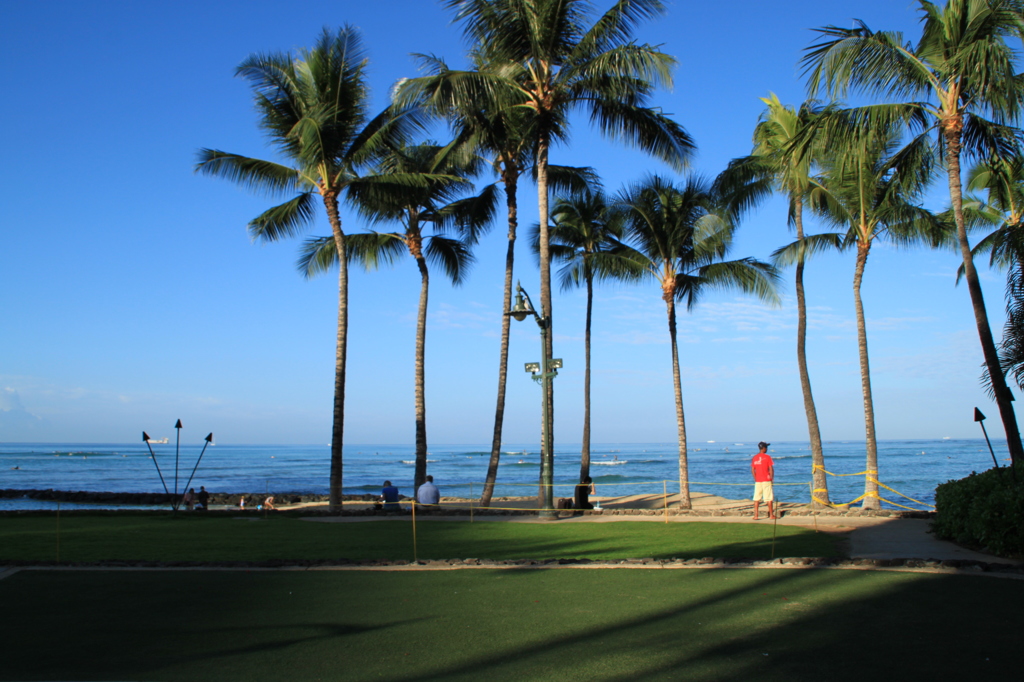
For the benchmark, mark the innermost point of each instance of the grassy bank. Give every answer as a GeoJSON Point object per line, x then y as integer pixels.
{"type": "Point", "coordinates": [196, 537]}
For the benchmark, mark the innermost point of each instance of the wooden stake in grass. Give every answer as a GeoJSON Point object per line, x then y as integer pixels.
{"type": "Point", "coordinates": [58, 530]}
{"type": "Point", "coordinates": [775, 523]}
{"type": "Point", "coordinates": [415, 554]}
{"type": "Point", "coordinates": [664, 494]}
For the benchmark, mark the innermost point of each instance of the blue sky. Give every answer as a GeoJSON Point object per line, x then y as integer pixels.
{"type": "Point", "coordinates": [132, 295]}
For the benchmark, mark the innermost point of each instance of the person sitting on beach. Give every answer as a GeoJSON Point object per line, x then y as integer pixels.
{"type": "Point", "coordinates": [204, 498]}
{"type": "Point", "coordinates": [763, 469]}
{"type": "Point", "coordinates": [584, 489]}
{"type": "Point", "coordinates": [269, 503]}
{"type": "Point", "coordinates": [389, 496]}
{"type": "Point", "coordinates": [189, 499]}
{"type": "Point", "coordinates": [428, 496]}
{"type": "Point", "coordinates": [241, 503]}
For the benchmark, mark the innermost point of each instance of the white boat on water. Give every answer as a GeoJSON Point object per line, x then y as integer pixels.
{"type": "Point", "coordinates": [157, 441]}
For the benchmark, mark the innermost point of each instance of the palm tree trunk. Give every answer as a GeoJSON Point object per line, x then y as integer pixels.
{"type": "Point", "coordinates": [543, 146]}
{"type": "Point", "coordinates": [871, 479]}
{"type": "Point", "coordinates": [421, 340]}
{"type": "Point", "coordinates": [988, 346]}
{"type": "Point", "coordinates": [585, 451]}
{"type": "Point", "coordinates": [511, 185]}
{"type": "Point", "coordinates": [819, 496]}
{"type": "Point", "coordinates": [684, 474]}
{"type": "Point", "coordinates": [341, 348]}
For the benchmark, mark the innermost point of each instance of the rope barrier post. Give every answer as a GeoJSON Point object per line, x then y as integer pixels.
{"type": "Point", "coordinates": [664, 494]}
{"type": "Point", "coordinates": [775, 523]}
{"type": "Point", "coordinates": [810, 485]}
{"type": "Point", "coordinates": [471, 501]}
{"type": "Point", "coordinates": [58, 530]}
{"type": "Point", "coordinates": [415, 553]}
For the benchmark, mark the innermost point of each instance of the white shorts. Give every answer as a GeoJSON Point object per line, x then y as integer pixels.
{"type": "Point", "coordinates": [763, 491]}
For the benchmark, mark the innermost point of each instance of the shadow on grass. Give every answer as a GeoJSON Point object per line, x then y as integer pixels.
{"type": "Point", "coordinates": [199, 538]}
{"type": "Point", "coordinates": [113, 625]}
{"type": "Point", "coordinates": [619, 540]}
{"type": "Point", "coordinates": [716, 624]}
{"type": "Point", "coordinates": [784, 625]}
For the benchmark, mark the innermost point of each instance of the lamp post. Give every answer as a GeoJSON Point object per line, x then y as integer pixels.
{"type": "Point", "coordinates": [543, 372]}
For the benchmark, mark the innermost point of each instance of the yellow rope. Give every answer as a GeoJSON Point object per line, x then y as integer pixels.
{"type": "Point", "coordinates": [870, 474]}
{"type": "Point", "coordinates": [900, 505]}
{"type": "Point", "coordinates": [923, 504]}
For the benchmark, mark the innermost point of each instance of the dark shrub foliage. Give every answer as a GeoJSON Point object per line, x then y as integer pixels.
{"type": "Point", "coordinates": [984, 510]}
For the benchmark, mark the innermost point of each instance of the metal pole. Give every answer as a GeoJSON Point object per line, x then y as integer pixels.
{"type": "Point", "coordinates": [980, 418]}
{"type": "Point", "coordinates": [775, 523]}
{"type": "Point", "coordinates": [547, 456]}
{"type": "Point", "coordinates": [522, 308]}
{"type": "Point", "coordinates": [177, 447]}
{"type": "Point", "coordinates": [995, 463]}
{"type": "Point", "coordinates": [415, 552]}
{"type": "Point", "coordinates": [152, 455]}
{"type": "Point", "coordinates": [208, 439]}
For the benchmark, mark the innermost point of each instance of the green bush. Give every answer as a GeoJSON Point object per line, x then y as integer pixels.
{"type": "Point", "coordinates": [984, 510]}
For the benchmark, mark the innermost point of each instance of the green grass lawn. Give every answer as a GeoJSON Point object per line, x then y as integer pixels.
{"type": "Point", "coordinates": [515, 624]}
{"type": "Point", "coordinates": [196, 537]}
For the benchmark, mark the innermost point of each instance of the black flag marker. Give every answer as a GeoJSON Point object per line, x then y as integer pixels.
{"type": "Point", "coordinates": [980, 418]}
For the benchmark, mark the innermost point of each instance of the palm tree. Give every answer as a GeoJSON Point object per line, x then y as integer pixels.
{"type": "Point", "coordinates": [586, 237]}
{"type": "Point", "coordinates": [682, 237]}
{"type": "Point", "coordinates": [1011, 348]}
{"type": "Point", "coordinates": [314, 108]}
{"type": "Point", "coordinates": [965, 71]}
{"type": "Point", "coordinates": [546, 57]}
{"type": "Point", "coordinates": [1002, 179]}
{"type": "Point", "coordinates": [868, 190]}
{"type": "Point", "coordinates": [436, 204]}
{"type": "Point", "coordinates": [504, 134]}
{"type": "Point", "coordinates": [780, 164]}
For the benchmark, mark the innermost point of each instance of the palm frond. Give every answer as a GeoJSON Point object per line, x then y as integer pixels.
{"type": "Point", "coordinates": [615, 27]}
{"type": "Point", "coordinates": [452, 255]}
{"type": "Point", "coordinates": [470, 217]}
{"type": "Point", "coordinates": [571, 179]}
{"type": "Point", "coordinates": [747, 275]}
{"type": "Point", "coordinates": [317, 256]}
{"type": "Point", "coordinates": [881, 63]}
{"type": "Point", "coordinates": [371, 250]}
{"type": "Point", "coordinates": [648, 129]}
{"type": "Point", "coordinates": [744, 184]}
{"type": "Point", "coordinates": [253, 174]}
{"type": "Point", "coordinates": [284, 220]}
{"type": "Point", "coordinates": [811, 245]}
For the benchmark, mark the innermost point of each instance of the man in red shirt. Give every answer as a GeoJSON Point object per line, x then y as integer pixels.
{"type": "Point", "coordinates": [763, 470]}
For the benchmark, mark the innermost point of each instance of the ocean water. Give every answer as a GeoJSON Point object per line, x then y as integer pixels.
{"type": "Point", "coordinates": [912, 467]}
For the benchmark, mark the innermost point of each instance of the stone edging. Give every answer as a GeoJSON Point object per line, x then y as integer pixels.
{"type": "Point", "coordinates": [1009, 570]}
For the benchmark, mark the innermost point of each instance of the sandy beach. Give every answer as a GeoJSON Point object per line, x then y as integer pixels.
{"type": "Point", "coordinates": [702, 504]}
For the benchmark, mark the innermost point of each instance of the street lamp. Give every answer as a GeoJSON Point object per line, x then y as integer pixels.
{"type": "Point", "coordinates": [543, 372]}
